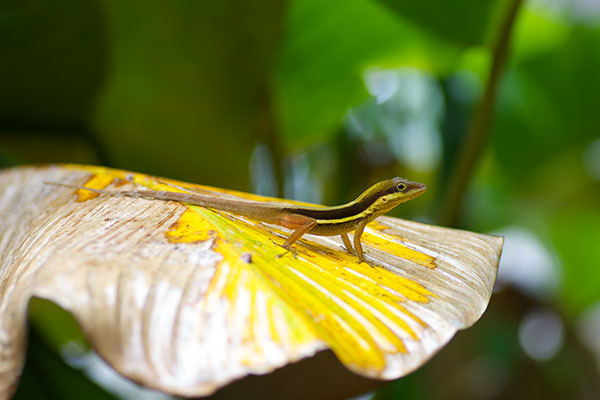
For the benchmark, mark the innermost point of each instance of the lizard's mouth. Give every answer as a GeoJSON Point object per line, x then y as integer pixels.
{"type": "Point", "coordinates": [416, 189]}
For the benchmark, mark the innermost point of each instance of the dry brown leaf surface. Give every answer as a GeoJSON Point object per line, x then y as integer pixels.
{"type": "Point", "coordinates": [184, 299]}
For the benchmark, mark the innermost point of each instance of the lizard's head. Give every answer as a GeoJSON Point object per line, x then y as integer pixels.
{"type": "Point", "coordinates": [394, 191]}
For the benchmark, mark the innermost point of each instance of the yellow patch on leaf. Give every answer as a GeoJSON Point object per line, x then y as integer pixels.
{"type": "Point", "coordinates": [95, 182]}
{"type": "Point", "coordinates": [190, 228]}
{"type": "Point", "coordinates": [324, 293]}
{"type": "Point", "coordinates": [393, 246]}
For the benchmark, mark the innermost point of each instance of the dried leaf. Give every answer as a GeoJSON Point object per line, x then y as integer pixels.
{"type": "Point", "coordinates": [185, 299]}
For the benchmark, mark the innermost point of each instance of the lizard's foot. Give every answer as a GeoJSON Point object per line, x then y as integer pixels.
{"type": "Point", "coordinates": [288, 249]}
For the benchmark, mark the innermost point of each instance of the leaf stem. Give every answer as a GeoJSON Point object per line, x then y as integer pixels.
{"type": "Point", "coordinates": [476, 137]}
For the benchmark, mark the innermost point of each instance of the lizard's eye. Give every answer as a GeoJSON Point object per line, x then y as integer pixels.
{"type": "Point", "coordinates": [401, 187]}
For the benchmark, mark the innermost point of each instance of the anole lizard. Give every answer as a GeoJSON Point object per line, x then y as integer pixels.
{"type": "Point", "coordinates": [324, 221]}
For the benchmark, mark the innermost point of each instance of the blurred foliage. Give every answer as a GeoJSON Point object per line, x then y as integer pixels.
{"type": "Point", "coordinates": [187, 89]}
{"type": "Point", "coordinates": [336, 95]}
{"type": "Point", "coordinates": [325, 52]}
{"type": "Point", "coordinates": [48, 377]}
{"type": "Point", "coordinates": [463, 21]}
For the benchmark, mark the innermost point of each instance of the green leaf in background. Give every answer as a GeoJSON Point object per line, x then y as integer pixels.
{"type": "Point", "coordinates": [462, 21]}
{"type": "Point", "coordinates": [576, 234]}
{"type": "Point", "coordinates": [549, 103]}
{"type": "Point", "coordinates": [327, 48]}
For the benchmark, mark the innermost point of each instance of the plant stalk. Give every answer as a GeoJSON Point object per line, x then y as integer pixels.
{"type": "Point", "coordinates": [479, 128]}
